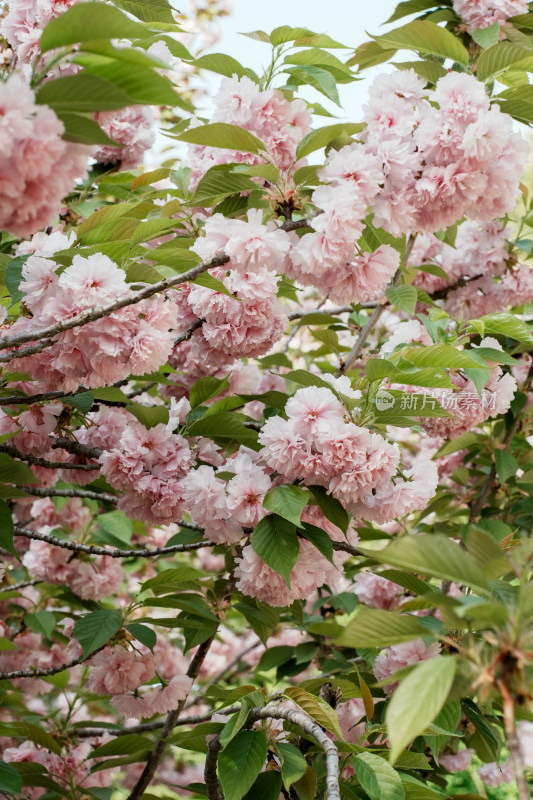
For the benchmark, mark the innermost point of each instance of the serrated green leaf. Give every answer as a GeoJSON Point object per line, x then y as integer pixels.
{"type": "Point", "coordinates": [149, 416]}
{"type": "Point", "coordinates": [507, 325]}
{"type": "Point", "coordinates": [276, 543]}
{"type": "Point", "coordinates": [206, 388]}
{"type": "Point", "coordinates": [148, 10]}
{"type": "Point", "coordinates": [240, 763]}
{"type": "Point", "coordinates": [94, 630]}
{"type": "Point", "coordinates": [224, 426]}
{"type": "Point", "coordinates": [418, 700]}
{"type": "Point", "coordinates": [317, 139]}
{"type": "Point", "coordinates": [7, 529]}
{"type": "Point", "coordinates": [223, 65]}
{"type": "Point", "coordinates": [373, 627]}
{"type": "Point", "coordinates": [287, 501]}
{"type": "Point", "coordinates": [411, 7]}
{"type": "Point", "coordinates": [316, 708]}
{"type": "Point", "coordinates": [319, 538]}
{"type": "Point", "coordinates": [143, 634]}
{"type": "Point", "coordinates": [500, 57]}
{"type": "Point", "coordinates": [434, 555]}
{"type": "Point", "coordinates": [13, 471]}
{"type": "Point", "coordinates": [439, 355]}
{"type": "Point", "coordinates": [123, 745]}
{"type": "Point", "coordinates": [221, 134]}
{"type": "Point", "coordinates": [215, 186]}
{"type": "Point", "coordinates": [42, 622]}
{"type": "Point", "coordinates": [425, 37]}
{"type": "Point", "coordinates": [83, 92]}
{"type": "Point", "coordinates": [379, 780]}
{"type": "Point", "coordinates": [404, 297]}
{"type": "Point", "coordinates": [331, 507]}
{"type": "Point", "coordinates": [293, 764]}
{"type": "Point", "coordinates": [81, 23]}
{"type": "Point", "coordinates": [320, 79]}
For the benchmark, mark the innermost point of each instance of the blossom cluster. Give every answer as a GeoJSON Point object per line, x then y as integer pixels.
{"type": "Point", "coordinates": [318, 443]}
{"type": "Point", "coordinates": [139, 337]}
{"type": "Point", "coordinates": [483, 13]}
{"type": "Point", "coordinates": [37, 167]}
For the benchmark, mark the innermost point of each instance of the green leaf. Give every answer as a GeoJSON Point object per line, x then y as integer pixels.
{"type": "Point", "coordinates": [425, 37]}
{"type": "Point", "coordinates": [276, 543]}
{"type": "Point", "coordinates": [429, 70]}
{"type": "Point", "coordinates": [42, 622]}
{"type": "Point", "coordinates": [215, 186]}
{"type": "Point", "coordinates": [170, 580]}
{"type": "Point", "coordinates": [221, 134]}
{"type": "Point", "coordinates": [223, 65]}
{"type": "Point", "coordinates": [373, 627]}
{"type": "Point", "coordinates": [12, 471]}
{"type": "Point", "coordinates": [486, 37]}
{"type": "Point", "coordinates": [96, 629]}
{"type": "Point", "coordinates": [316, 140]}
{"type": "Point", "coordinates": [267, 786]}
{"type": "Point", "coordinates": [195, 739]}
{"type": "Point", "coordinates": [507, 325]}
{"type": "Point", "coordinates": [224, 426]}
{"type": "Point", "coordinates": [206, 388]}
{"type": "Point", "coordinates": [84, 23]}
{"type": "Point", "coordinates": [404, 297]}
{"type": "Point", "coordinates": [418, 700]}
{"type": "Point", "coordinates": [143, 634]}
{"type": "Point", "coordinates": [448, 719]}
{"type": "Point", "coordinates": [13, 277]}
{"type": "Point", "coordinates": [240, 763]}
{"type": "Point", "coordinates": [293, 764]}
{"type": "Point", "coordinates": [411, 7]}
{"type": "Point", "coordinates": [7, 529]}
{"type": "Point", "coordinates": [316, 708]}
{"type": "Point", "coordinates": [500, 57]}
{"type": "Point", "coordinates": [10, 780]}
{"type": "Point", "coordinates": [439, 355]}
{"type": "Point", "coordinates": [434, 555]}
{"type": "Point", "coordinates": [274, 657]}
{"type": "Point", "coordinates": [82, 128]}
{"type": "Point", "coordinates": [83, 92]}
{"type": "Point", "coordinates": [36, 734]}
{"type": "Point", "coordinates": [319, 539]}
{"type": "Point", "coordinates": [320, 79]}
{"type": "Point", "coordinates": [286, 501]}
{"type": "Point", "coordinates": [123, 745]}
{"type": "Point", "coordinates": [506, 465]}
{"type": "Point", "coordinates": [148, 10]}
{"type": "Point", "coordinates": [331, 507]}
{"type": "Point", "coordinates": [379, 780]}
{"type": "Point", "coordinates": [149, 416]}
{"type": "Point", "coordinates": [142, 84]}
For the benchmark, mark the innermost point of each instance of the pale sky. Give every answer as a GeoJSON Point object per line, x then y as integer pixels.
{"type": "Point", "coordinates": [346, 21]}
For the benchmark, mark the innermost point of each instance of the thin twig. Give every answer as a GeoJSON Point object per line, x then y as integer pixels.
{"type": "Point", "coordinates": [43, 462]}
{"type": "Point", "coordinates": [332, 311]}
{"type": "Point", "coordinates": [356, 350]}
{"type": "Point", "coordinates": [104, 311]}
{"type": "Point", "coordinates": [44, 673]}
{"type": "Point", "coordinates": [81, 732]}
{"type": "Point", "coordinates": [22, 585]}
{"type": "Point", "coordinates": [22, 399]}
{"type": "Point", "coordinates": [115, 552]}
{"type": "Point", "coordinates": [26, 351]}
{"type": "Point", "coordinates": [184, 337]}
{"type": "Point", "coordinates": [156, 755]}
{"type": "Point", "coordinates": [84, 493]}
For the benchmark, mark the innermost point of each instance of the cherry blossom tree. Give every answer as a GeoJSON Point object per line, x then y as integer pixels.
{"type": "Point", "coordinates": [266, 436]}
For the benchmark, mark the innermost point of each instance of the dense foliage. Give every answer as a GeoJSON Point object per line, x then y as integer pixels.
{"type": "Point", "coordinates": [266, 435]}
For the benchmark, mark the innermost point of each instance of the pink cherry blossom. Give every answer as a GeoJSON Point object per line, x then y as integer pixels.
{"type": "Point", "coordinates": [399, 656]}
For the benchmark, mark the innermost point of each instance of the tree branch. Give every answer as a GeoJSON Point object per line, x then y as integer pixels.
{"type": "Point", "coordinates": [184, 337]}
{"type": "Point", "coordinates": [87, 493]}
{"type": "Point", "coordinates": [156, 755]}
{"type": "Point", "coordinates": [82, 732]}
{"type": "Point", "coordinates": [75, 448]}
{"type": "Point", "coordinates": [333, 311]}
{"type": "Point", "coordinates": [44, 673]}
{"type": "Point", "coordinates": [113, 552]}
{"type": "Point", "coordinates": [42, 462]}
{"type": "Point", "coordinates": [303, 721]}
{"type": "Point", "coordinates": [22, 399]}
{"type": "Point", "coordinates": [356, 350]}
{"type": "Point", "coordinates": [104, 311]}
{"type": "Point", "coordinates": [16, 586]}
